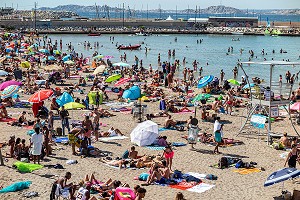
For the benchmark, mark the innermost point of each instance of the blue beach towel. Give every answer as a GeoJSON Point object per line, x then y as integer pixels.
{"type": "Point", "coordinates": [61, 140]}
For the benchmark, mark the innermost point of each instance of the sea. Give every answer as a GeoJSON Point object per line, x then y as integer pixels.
{"type": "Point", "coordinates": [211, 54]}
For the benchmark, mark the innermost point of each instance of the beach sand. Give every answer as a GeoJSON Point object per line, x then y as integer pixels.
{"type": "Point", "coordinates": [229, 185]}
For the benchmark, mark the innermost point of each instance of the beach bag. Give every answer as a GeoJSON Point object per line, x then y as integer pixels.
{"type": "Point", "coordinates": [211, 177]}
{"type": "Point", "coordinates": [223, 162]}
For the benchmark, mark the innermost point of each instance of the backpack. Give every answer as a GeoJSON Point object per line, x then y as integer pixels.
{"type": "Point", "coordinates": [239, 164]}
{"type": "Point", "coordinates": [223, 162]}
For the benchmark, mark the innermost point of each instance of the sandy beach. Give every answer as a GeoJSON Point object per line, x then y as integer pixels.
{"type": "Point", "coordinates": [229, 185]}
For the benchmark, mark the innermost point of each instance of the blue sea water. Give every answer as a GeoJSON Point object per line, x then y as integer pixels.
{"type": "Point", "coordinates": [213, 50]}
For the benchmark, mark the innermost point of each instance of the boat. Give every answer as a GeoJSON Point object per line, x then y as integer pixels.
{"type": "Point", "coordinates": [130, 47]}
{"type": "Point", "coordinates": [94, 34]}
{"type": "Point", "coordinates": [237, 33]}
{"type": "Point", "coordinates": [141, 34]}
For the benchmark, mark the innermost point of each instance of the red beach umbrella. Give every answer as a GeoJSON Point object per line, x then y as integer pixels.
{"type": "Point", "coordinates": [40, 96]}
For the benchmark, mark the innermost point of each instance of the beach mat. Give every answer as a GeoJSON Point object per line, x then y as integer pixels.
{"type": "Point", "coordinates": [7, 119]}
{"type": "Point", "coordinates": [106, 139]}
{"type": "Point", "coordinates": [178, 144]}
{"type": "Point", "coordinates": [202, 187]}
{"type": "Point", "coordinates": [61, 140]}
{"type": "Point", "coordinates": [244, 171]}
{"type": "Point", "coordinates": [128, 167]}
{"type": "Point", "coordinates": [155, 148]}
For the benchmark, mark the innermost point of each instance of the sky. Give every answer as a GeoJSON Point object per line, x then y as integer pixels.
{"type": "Point", "coordinates": [154, 4]}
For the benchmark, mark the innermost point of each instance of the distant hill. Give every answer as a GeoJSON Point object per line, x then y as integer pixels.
{"type": "Point", "coordinates": [210, 10]}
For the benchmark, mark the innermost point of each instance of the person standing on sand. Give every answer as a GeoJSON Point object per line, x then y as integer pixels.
{"type": "Point", "coordinates": [64, 116]}
{"type": "Point", "coordinates": [96, 124]}
{"type": "Point", "coordinates": [222, 74]}
{"type": "Point", "coordinates": [293, 157]}
{"type": "Point", "coordinates": [87, 125]}
{"type": "Point", "coordinates": [184, 74]}
{"type": "Point", "coordinates": [36, 144]}
{"type": "Point", "coordinates": [218, 134]}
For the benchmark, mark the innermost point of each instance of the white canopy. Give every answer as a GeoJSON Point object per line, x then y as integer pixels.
{"type": "Point", "coordinates": [169, 18]}
{"type": "Point", "coordinates": [144, 133]}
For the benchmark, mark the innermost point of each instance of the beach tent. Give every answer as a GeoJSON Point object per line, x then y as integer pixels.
{"type": "Point", "coordinates": [144, 133]}
{"type": "Point", "coordinates": [64, 99]}
{"type": "Point", "coordinates": [133, 93]}
{"type": "Point", "coordinates": [92, 97]}
{"type": "Point", "coordinates": [169, 18]}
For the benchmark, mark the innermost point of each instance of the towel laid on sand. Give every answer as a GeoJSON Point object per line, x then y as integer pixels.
{"type": "Point", "coordinates": [202, 187]}
{"type": "Point", "coordinates": [27, 167]}
{"type": "Point", "coordinates": [16, 187]}
{"type": "Point", "coordinates": [245, 171]}
{"type": "Point", "coordinates": [106, 139]}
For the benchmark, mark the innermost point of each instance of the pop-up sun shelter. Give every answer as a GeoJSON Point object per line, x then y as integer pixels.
{"type": "Point", "coordinates": [132, 93]}
{"type": "Point", "coordinates": [92, 97]}
{"type": "Point", "coordinates": [144, 133]}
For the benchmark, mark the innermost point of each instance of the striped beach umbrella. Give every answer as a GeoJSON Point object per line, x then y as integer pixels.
{"type": "Point", "coordinates": [282, 175]}
{"type": "Point", "coordinates": [9, 83]}
{"type": "Point", "coordinates": [205, 81]}
{"type": "Point", "coordinates": [9, 91]}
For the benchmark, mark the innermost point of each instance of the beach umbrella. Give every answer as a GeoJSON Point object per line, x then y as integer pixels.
{"type": "Point", "coordinates": [295, 106]}
{"type": "Point", "coordinates": [2, 59]}
{"type": "Point", "coordinates": [99, 69]}
{"type": "Point", "coordinates": [73, 106]}
{"type": "Point", "coordinates": [56, 52]}
{"type": "Point", "coordinates": [122, 81]}
{"type": "Point", "coordinates": [247, 86]}
{"type": "Point", "coordinates": [9, 83]}
{"type": "Point", "coordinates": [45, 51]}
{"type": "Point", "coordinates": [233, 82]}
{"type": "Point", "coordinates": [282, 175]}
{"type": "Point", "coordinates": [205, 81]}
{"type": "Point", "coordinates": [121, 64]}
{"type": "Point", "coordinates": [9, 91]}
{"type": "Point", "coordinates": [65, 58]}
{"type": "Point", "coordinates": [64, 99]}
{"type": "Point", "coordinates": [69, 62]}
{"type": "Point", "coordinates": [112, 78]}
{"type": "Point", "coordinates": [40, 96]}
{"type": "Point", "coordinates": [24, 44]}
{"type": "Point", "coordinates": [25, 64]}
{"type": "Point", "coordinates": [3, 73]}
{"type": "Point", "coordinates": [98, 57]}
{"type": "Point", "coordinates": [200, 97]}
{"type": "Point", "coordinates": [52, 58]}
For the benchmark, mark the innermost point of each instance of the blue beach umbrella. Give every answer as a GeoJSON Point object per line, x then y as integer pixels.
{"type": "Point", "coordinates": [65, 58]}
{"type": "Point", "coordinates": [205, 81]}
{"type": "Point", "coordinates": [247, 86]}
{"type": "Point", "coordinates": [9, 91]}
{"type": "Point", "coordinates": [282, 175]}
{"type": "Point", "coordinates": [3, 73]}
{"type": "Point", "coordinates": [45, 51]}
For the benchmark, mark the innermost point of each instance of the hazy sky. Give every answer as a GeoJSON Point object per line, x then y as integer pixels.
{"type": "Point", "coordinates": [153, 4]}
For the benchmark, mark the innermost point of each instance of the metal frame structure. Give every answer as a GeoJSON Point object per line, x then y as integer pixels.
{"type": "Point", "coordinates": [262, 103]}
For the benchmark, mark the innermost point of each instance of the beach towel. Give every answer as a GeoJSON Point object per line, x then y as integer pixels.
{"type": "Point", "coordinates": [178, 144]}
{"type": "Point", "coordinates": [244, 171]}
{"type": "Point", "coordinates": [106, 139]}
{"type": "Point", "coordinates": [185, 111]}
{"type": "Point", "coordinates": [202, 187]}
{"type": "Point", "coordinates": [7, 119]}
{"type": "Point", "coordinates": [182, 185]}
{"type": "Point", "coordinates": [61, 140]}
{"type": "Point", "coordinates": [16, 187]}
{"type": "Point", "coordinates": [197, 175]}
{"type": "Point", "coordinates": [27, 167]}
{"type": "Point", "coordinates": [165, 129]}
{"type": "Point", "coordinates": [156, 148]}
{"type": "Point", "coordinates": [127, 167]}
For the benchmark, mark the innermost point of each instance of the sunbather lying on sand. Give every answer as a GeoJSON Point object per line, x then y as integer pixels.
{"type": "Point", "coordinates": [112, 132]}
{"type": "Point", "coordinates": [115, 163]}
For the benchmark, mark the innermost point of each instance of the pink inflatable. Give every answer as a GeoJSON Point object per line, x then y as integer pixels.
{"type": "Point", "coordinates": [123, 193]}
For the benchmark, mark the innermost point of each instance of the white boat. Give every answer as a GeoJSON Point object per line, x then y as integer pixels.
{"type": "Point", "coordinates": [141, 34]}
{"type": "Point", "coordinates": [237, 33]}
